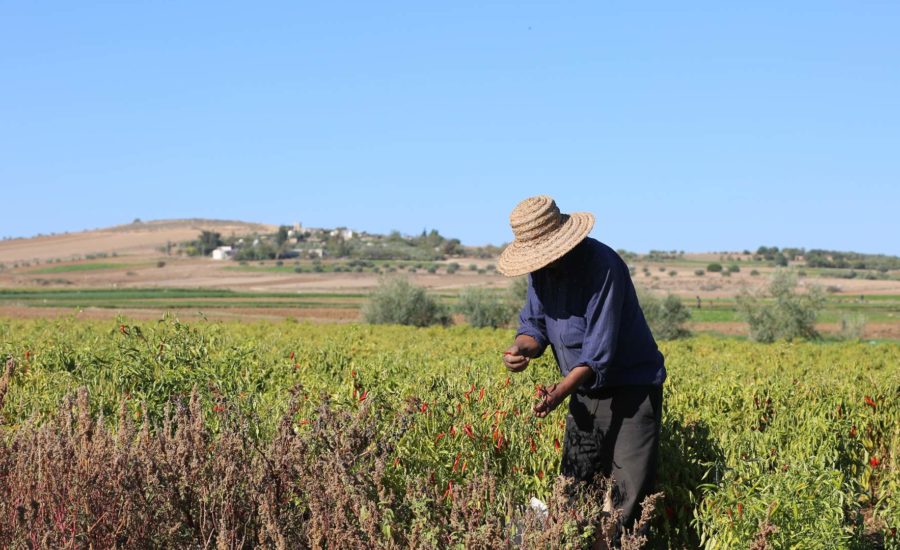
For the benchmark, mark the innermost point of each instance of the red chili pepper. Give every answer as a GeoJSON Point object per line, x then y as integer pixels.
{"type": "Point", "coordinates": [540, 474]}
{"type": "Point", "coordinates": [481, 394]}
{"type": "Point", "coordinates": [469, 432]}
{"type": "Point", "coordinates": [424, 407]}
{"type": "Point", "coordinates": [365, 394]}
{"type": "Point", "coordinates": [556, 443]}
{"type": "Point", "coordinates": [439, 437]}
{"type": "Point", "coordinates": [853, 431]}
{"type": "Point", "coordinates": [870, 402]}
{"type": "Point", "coordinates": [219, 408]}
{"type": "Point", "coordinates": [453, 430]}
{"type": "Point", "coordinates": [449, 492]}
{"type": "Point", "coordinates": [27, 355]}
{"type": "Point", "coordinates": [499, 441]}
{"type": "Point", "coordinates": [874, 462]}
{"type": "Point", "coordinates": [456, 462]}
{"type": "Point", "coordinates": [292, 356]}
{"type": "Point", "coordinates": [533, 444]}
{"type": "Point", "coordinates": [352, 373]}
{"type": "Point", "coordinates": [505, 384]}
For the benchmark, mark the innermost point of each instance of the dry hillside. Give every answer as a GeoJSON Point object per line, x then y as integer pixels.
{"type": "Point", "coordinates": [134, 239]}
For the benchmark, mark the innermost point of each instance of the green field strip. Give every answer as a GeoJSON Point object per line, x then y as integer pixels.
{"type": "Point", "coordinates": [137, 304]}
{"type": "Point", "coordinates": [73, 268]}
{"type": "Point", "coordinates": [149, 293]}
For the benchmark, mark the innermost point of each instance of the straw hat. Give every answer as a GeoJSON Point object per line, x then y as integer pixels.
{"type": "Point", "coordinates": [542, 235]}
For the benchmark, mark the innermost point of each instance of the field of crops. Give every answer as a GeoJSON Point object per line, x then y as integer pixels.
{"type": "Point", "coordinates": [791, 444]}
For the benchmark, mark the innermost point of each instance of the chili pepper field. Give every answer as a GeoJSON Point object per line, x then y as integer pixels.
{"type": "Point", "coordinates": [785, 444]}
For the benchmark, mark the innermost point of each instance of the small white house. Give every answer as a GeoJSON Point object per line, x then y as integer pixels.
{"type": "Point", "coordinates": [343, 233]}
{"type": "Point", "coordinates": [222, 253]}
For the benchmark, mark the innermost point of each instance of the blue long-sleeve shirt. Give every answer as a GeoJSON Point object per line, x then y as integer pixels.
{"type": "Point", "coordinates": [587, 311]}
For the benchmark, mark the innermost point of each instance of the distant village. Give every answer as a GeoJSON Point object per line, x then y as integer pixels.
{"type": "Point", "coordinates": [301, 242]}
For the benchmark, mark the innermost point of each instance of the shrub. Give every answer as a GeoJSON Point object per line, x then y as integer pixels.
{"type": "Point", "coordinates": [782, 313]}
{"type": "Point", "coordinates": [666, 316]}
{"type": "Point", "coordinates": [699, 272]}
{"type": "Point", "coordinates": [754, 273]}
{"type": "Point", "coordinates": [518, 290]}
{"type": "Point", "coordinates": [160, 264]}
{"type": "Point", "coordinates": [714, 267]}
{"type": "Point", "coordinates": [673, 273]}
{"type": "Point", "coordinates": [852, 326]}
{"type": "Point", "coordinates": [452, 268]}
{"type": "Point", "coordinates": [483, 308]}
{"type": "Point", "coordinates": [397, 301]}
{"type": "Point", "coordinates": [734, 268]}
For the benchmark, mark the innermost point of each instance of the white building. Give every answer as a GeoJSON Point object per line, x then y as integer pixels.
{"type": "Point", "coordinates": [343, 233]}
{"type": "Point", "coordinates": [222, 253]}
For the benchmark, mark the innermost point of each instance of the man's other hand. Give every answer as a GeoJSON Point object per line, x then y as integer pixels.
{"type": "Point", "coordinates": [514, 359]}
{"type": "Point", "coordinates": [550, 399]}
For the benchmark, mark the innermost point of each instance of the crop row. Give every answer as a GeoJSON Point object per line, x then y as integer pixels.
{"type": "Point", "coordinates": [794, 443]}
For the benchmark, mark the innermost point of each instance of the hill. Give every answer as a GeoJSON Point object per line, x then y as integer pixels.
{"type": "Point", "coordinates": [134, 239]}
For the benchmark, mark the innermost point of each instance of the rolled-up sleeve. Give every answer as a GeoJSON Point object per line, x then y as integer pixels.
{"type": "Point", "coordinates": [531, 318]}
{"type": "Point", "coordinates": [603, 317]}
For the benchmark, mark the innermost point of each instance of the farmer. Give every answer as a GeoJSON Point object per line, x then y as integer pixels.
{"type": "Point", "coordinates": [582, 303]}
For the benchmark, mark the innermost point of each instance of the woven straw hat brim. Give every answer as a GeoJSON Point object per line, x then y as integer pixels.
{"type": "Point", "coordinates": [522, 257]}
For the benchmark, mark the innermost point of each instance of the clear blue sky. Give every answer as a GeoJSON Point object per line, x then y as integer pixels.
{"type": "Point", "coordinates": [680, 125]}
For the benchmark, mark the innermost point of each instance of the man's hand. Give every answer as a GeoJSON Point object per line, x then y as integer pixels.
{"type": "Point", "coordinates": [514, 359]}
{"type": "Point", "coordinates": [554, 394]}
{"type": "Point", "coordinates": [550, 399]}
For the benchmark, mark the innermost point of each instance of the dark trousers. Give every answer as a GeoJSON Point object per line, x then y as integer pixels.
{"type": "Point", "coordinates": [615, 432]}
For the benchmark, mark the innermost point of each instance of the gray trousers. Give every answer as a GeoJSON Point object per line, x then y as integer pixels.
{"type": "Point", "coordinates": [615, 432]}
